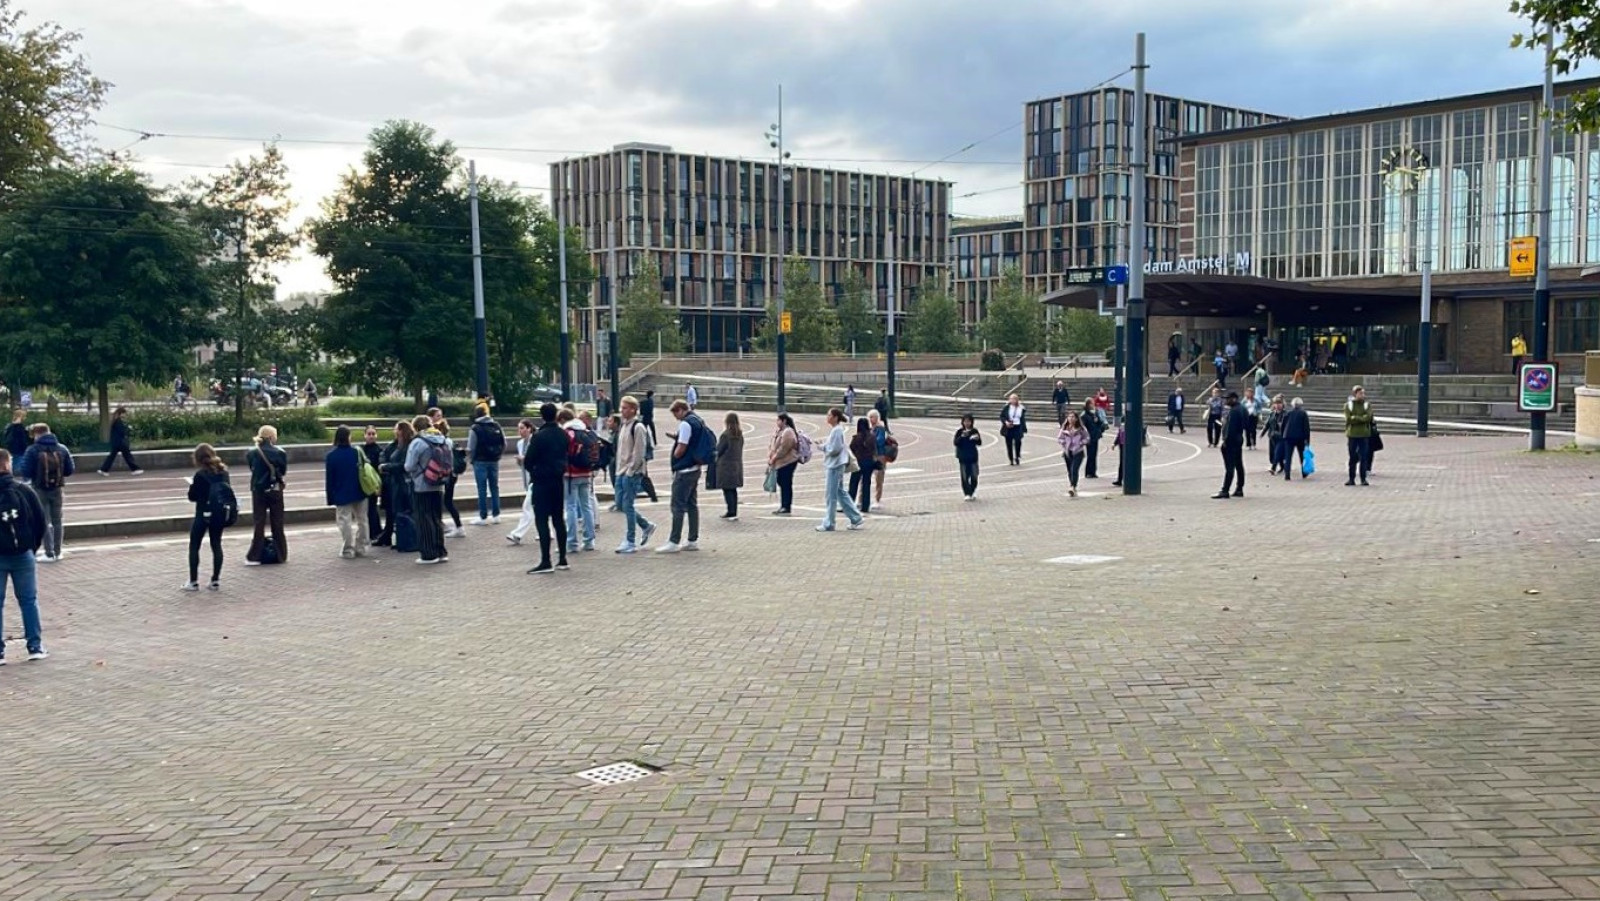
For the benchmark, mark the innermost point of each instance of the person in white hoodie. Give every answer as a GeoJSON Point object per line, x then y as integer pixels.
{"type": "Point", "coordinates": [836, 457]}
{"type": "Point", "coordinates": [524, 434]}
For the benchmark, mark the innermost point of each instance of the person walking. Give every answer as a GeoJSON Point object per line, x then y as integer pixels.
{"type": "Point", "coordinates": [864, 448]}
{"type": "Point", "coordinates": [1253, 418]}
{"type": "Point", "coordinates": [850, 401]}
{"type": "Point", "coordinates": [967, 441]}
{"type": "Point", "coordinates": [1175, 407]}
{"type": "Point", "coordinates": [1296, 435]}
{"type": "Point", "coordinates": [17, 437]}
{"type": "Point", "coordinates": [835, 457]}
{"type": "Point", "coordinates": [1358, 428]}
{"type": "Point", "coordinates": [1519, 349]}
{"type": "Point", "coordinates": [1074, 440]}
{"type": "Point", "coordinates": [783, 456]}
{"type": "Point", "coordinates": [602, 404]}
{"type": "Point", "coordinates": [1233, 432]}
{"type": "Point", "coordinates": [268, 467]}
{"type": "Point", "coordinates": [579, 484]}
{"type": "Point", "coordinates": [399, 505]}
{"type": "Point", "coordinates": [20, 541]}
{"type": "Point", "coordinates": [1014, 426]}
{"type": "Point", "coordinates": [633, 451]}
{"type": "Point", "coordinates": [525, 521]}
{"type": "Point", "coordinates": [647, 413]}
{"type": "Point", "coordinates": [121, 443]}
{"type": "Point", "coordinates": [372, 452]}
{"type": "Point", "coordinates": [429, 464]}
{"type": "Point", "coordinates": [46, 466]}
{"type": "Point", "coordinates": [545, 462]}
{"type": "Point", "coordinates": [1219, 364]}
{"type": "Point", "coordinates": [730, 465]}
{"type": "Point", "coordinates": [1174, 354]}
{"type": "Point", "coordinates": [882, 405]}
{"type": "Point", "coordinates": [486, 444]}
{"type": "Point", "coordinates": [1232, 354]}
{"type": "Point", "coordinates": [1272, 427]}
{"type": "Point", "coordinates": [1216, 411]}
{"type": "Point", "coordinates": [1092, 419]}
{"type": "Point", "coordinates": [1062, 398]}
{"type": "Point", "coordinates": [342, 488]}
{"type": "Point", "coordinates": [209, 516]}
{"type": "Point", "coordinates": [691, 397]}
{"type": "Point", "coordinates": [686, 464]}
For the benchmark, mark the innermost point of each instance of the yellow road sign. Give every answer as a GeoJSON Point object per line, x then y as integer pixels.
{"type": "Point", "coordinates": [786, 322]}
{"type": "Point", "coordinates": [1523, 256]}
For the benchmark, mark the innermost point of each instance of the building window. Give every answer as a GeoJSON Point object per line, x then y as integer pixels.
{"type": "Point", "coordinates": [1577, 326]}
{"type": "Point", "coordinates": [1519, 321]}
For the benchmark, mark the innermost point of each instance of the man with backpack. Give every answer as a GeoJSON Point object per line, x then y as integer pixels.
{"type": "Point", "coordinates": [634, 450]}
{"type": "Point", "coordinates": [22, 527]}
{"type": "Point", "coordinates": [486, 444]}
{"type": "Point", "coordinates": [46, 466]}
{"type": "Point", "coordinates": [545, 461]}
{"type": "Point", "coordinates": [693, 448]}
{"type": "Point", "coordinates": [583, 461]}
{"type": "Point", "coordinates": [430, 463]}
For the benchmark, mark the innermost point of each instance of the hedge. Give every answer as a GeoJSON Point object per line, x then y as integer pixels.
{"type": "Point", "coordinates": [159, 428]}
{"type": "Point", "coordinates": [402, 408]}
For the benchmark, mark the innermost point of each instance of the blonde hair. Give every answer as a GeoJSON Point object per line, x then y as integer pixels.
{"type": "Point", "coordinates": [266, 435]}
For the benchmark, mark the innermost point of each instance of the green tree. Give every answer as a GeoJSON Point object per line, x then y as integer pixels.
{"type": "Point", "coordinates": [816, 326]}
{"type": "Point", "coordinates": [1015, 320]}
{"type": "Point", "coordinates": [1574, 26]}
{"type": "Point", "coordinates": [856, 311]}
{"type": "Point", "coordinates": [935, 324]}
{"type": "Point", "coordinates": [101, 280]}
{"type": "Point", "coordinates": [1083, 331]}
{"type": "Point", "coordinates": [522, 287]}
{"type": "Point", "coordinates": [49, 95]}
{"type": "Point", "coordinates": [245, 211]}
{"type": "Point", "coordinates": [644, 316]}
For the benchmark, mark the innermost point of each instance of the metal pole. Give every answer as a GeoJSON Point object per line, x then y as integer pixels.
{"type": "Point", "coordinates": [1425, 331]}
{"type": "Point", "coordinates": [891, 341]}
{"type": "Point", "coordinates": [1541, 288]}
{"type": "Point", "coordinates": [611, 339]}
{"type": "Point", "coordinates": [782, 250]}
{"type": "Point", "coordinates": [566, 337]}
{"type": "Point", "coordinates": [1133, 441]}
{"type": "Point", "coordinates": [1119, 351]}
{"type": "Point", "coordinates": [479, 325]}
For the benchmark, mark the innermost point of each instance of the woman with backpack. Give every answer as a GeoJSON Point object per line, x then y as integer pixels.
{"type": "Point", "coordinates": [864, 447]}
{"type": "Point", "coordinates": [783, 456]}
{"type": "Point", "coordinates": [342, 484]}
{"type": "Point", "coordinates": [268, 466]}
{"type": "Point", "coordinates": [400, 529]}
{"type": "Point", "coordinates": [214, 507]}
{"type": "Point", "coordinates": [428, 466]}
{"type": "Point", "coordinates": [730, 465]}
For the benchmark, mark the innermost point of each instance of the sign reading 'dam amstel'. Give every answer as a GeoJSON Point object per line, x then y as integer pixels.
{"type": "Point", "coordinates": [1217, 265]}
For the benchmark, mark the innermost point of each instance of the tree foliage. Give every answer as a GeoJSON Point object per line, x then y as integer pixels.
{"type": "Point", "coordinates": [101, 280]}
{"type": "Point", "coordinates": [935, 324]}
{"type": "Point", "coordinates": [1574, 29]}
{"type": "Point", "coordinates": [855, 308]}
{"type": "Point", "coordinates": [816, 326]}
{"type": "Point", "coordinates": [1015, 319]}
{"type": "Point", "coordinates": [47, 95]}
{"type": "Point", "coordinates": [644, 317]}
{"type": "Point", "coordinates": [1083, 331]}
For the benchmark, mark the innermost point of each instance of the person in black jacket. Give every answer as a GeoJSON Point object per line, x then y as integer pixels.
{"type": "Point", "coordinates": [268, 466]}
{"type": "Point", "coordinates": [121, 443]}
{"type": "Point", "coordinates": [1234, 428]}
{"type": "Point", "coordinates": [1062, 398]}
{"type": "Point", "coordinates": [24, 523]}
{"type": "Point", "coordinates": [1096, 426]}
{"type": "Point", "coordinates": [966, 441]}
{"type": "Point", "coordinates": [647, 415]}
{"type": "Point", "coordinates": [373, 451]}
{"type": "Point", "coordinates": [17, 437]}
{"type": "Point", "coordinates": [546, 463]}
{"type": "Point", "coordinates": [1175, 407]}
{"type": "Point", "coordinates": [1014, 426]}
{"type": "Point", "coordinates": [1296, 435]}
{"type": "Point", "coordinates": [209, 469]}
{"type": "Point", "coordinates": [396, 487]}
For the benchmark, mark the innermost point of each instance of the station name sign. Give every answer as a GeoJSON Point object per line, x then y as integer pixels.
{"type": "Point", "coordinates": [1239, 264]}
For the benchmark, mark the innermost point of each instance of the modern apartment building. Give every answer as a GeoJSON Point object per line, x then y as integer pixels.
{"type": "Point", "coordinates": [712, 224]}
{"type": "Point", "coordinates": [980, 251]}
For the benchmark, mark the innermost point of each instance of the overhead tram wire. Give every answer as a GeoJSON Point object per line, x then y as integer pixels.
{"type": "Point", "coordinates": [331, 142]}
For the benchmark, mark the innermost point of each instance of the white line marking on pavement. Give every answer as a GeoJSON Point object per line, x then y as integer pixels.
{"type": "Point", "coordinates": [1082, 559]}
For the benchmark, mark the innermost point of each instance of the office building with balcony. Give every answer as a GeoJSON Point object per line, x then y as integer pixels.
{"type": "Point", "coordinates": [712, 225]}
{"type": "Point", "coordinates": [981, 250]}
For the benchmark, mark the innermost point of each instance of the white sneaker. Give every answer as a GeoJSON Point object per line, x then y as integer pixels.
{"type": "Point", "coordinates": [668, 548]}
{"type": "Point", "coordinates": [456, 532]}
{"type": "Point", "coordinates": [627, 548]}
{"type": "Point", "coordinates": [824, 529]}
{"type": "Point", "coordinates": [480, 521]}
{"type": "Point", "coordinates": [495, 519]}
{"type": "Point", "coordinates": [515, 540]}
{"type": "Point", "coordinates": [645, 533]}
{"type": "Point", "coordinates": [252, 563]}
{"type": "Point", "coordinates": [691, 546]}
{"type": "Point", "coordinates": [435, 561]}
{"type": "Point", "coordinates": [856, 526]}
{"type": "Point", "coordinates": [190, 586]}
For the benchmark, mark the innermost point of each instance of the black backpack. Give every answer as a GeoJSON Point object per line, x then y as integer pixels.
{"type": "Point", "coordinates": [491, 443]}
{"type": "Point", "coordinates": [583, 451]}
{"type": "Point", "coordinates": [49, 473]}
{"type": "Point", "coordinates": [221, 504]}
{"type": "Point", "coordinates": [16, 531]}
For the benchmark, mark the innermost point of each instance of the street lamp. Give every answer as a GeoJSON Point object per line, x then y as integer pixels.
{"type": "Point", "coordinates": [1406, 167]}
{"type": "Point", "coordinates": [775, 141]}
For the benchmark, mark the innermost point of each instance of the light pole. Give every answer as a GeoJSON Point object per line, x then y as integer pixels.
{"type": "Point", "coordinates": [775, 141]}
{"type": "Point", "coordinates": [891, 341]}
{"type": "Point", "coordinates": [480, 331]}
{"type": "Point", "coordinates": [1133, 429]}
{"type": "Point", "coordinates": [1541, 287]}
{"type": "Point", "coordinates": [566, 337]}
{"type": "Point", "coordinates": [611, 339]}
{"type": "Point", "coordinates": [1407, 167]}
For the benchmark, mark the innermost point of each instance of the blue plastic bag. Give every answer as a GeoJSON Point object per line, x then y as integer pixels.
{"type": "Point", "coordinates": [1308, 463]}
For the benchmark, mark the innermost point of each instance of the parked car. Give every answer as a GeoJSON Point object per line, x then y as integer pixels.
{"type": "Point", "coordinates": [282, 395]}
{"type": "Point", "coordinates": [545, 394]}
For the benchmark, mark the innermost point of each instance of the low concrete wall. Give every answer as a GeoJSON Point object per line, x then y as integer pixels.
{"type": "Point", "coordinates": [1588, 427]}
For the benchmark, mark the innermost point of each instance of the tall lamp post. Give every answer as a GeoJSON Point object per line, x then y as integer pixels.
{"type": "Point", "coordinates": [775, 141]}
{"type": "Point", "coordinates": [1541, 285]}
{"type": "Point", "coordinates": [1407, 168]}
{"type": "Point", "coordinates": [1133, 428]}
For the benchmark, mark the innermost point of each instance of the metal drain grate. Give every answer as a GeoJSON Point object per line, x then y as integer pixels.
{"type": "Point", "coordinates": [618, 773]}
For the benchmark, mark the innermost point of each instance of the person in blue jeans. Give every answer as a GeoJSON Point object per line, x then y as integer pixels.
{"type": "Point", "coordinates": [836, 456]}
{"type": "Point", "coordinates": [486, 444]}
{"type": "Point", "coordinates": [22, 527]}
{"type": "Point", "coordinates": [633, 444]}
{"type": "Point", "coordinates": [579, 486]}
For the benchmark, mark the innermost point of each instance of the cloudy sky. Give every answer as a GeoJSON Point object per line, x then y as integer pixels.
{"type": "Point", "coordinates": [883, 84]}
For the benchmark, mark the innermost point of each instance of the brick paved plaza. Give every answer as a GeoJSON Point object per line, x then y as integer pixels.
{"type": "Point", "coordinates": [1315, 692]}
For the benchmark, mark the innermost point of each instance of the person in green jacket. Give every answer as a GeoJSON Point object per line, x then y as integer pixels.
{"type": "Point", "coordinates": [1358, 434]}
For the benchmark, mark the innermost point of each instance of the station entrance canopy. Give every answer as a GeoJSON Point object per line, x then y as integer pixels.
{"type": "Point", "coordinates": [1225, 296]}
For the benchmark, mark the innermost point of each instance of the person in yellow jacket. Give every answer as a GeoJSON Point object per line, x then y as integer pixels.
{"type": "Point", "coordinates": [1519, 349]}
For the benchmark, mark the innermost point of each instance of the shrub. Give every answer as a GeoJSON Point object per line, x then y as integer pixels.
{"type": "Point", "coordinates": [399, 407]}
{"type": "Point", "coordinates": [992, 360]}
{"type": "Point", "coordinates": [159, 428]}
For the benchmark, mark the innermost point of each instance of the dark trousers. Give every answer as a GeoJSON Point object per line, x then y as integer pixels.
{"type": "Point", "coordinates": [1516, 365]}
{"type": "Point", "coordinates": [685, 504]}
{"type": "Point", "coordinates": [1213, 430]}
{"type": "Point", "coordinates": [1074, 463]}
{"type": "Point", "coordinates": [127, 456]}
{"type": "Point", "coordinates": [1360, 457]}
{"type": "Point", "coordinates": [374, 529]}
{"type": "Point", "coordinates": [1175, 420]}
{"type": "Point", "coordinates": [385, 534]}
{"type": "Point", "coordinates": [969, 478]}
{"type": "Point", "coordinates": [1250, 434]}
{"type": "Point", "coordinates": [1172, 366]}
{"type": "Point", "coordinates": [650, 423]}
{"type": "Point", "coordinates": [1274, 451]}
{"type": "Point", "coordinates": [202, 528]}
{"type": "Point", "coordinates": [861, 485]}
{"type": "Point", "coordinates": [1289, 452]}
{"type": "Point", "coordinates": [1232, 465]}
{"type": "Point", "coordinates": [1061, 414]}
{"type": "Point", "coordinates": [266, 508]}
{"type": "Point", "coordinates": [430, 534]}
{"type": "Point", "coordinates": [649, 488]}
{"type": "Point", "coordinates": [786, 485]}
{"type": "Point", "coordinates": [730, 496]}
{"type": "Point", "coordinates": [1089, 470]}
{"type": "Point", "coordinates": [449, 499]}
{"type": "Point", "coordinates": [549, 515]}
{"type": "Point", "coordinates": [1014, 445]}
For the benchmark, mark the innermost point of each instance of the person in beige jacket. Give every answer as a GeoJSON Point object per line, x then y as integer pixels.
{"type": "Point", "coordinates": [633, 448]}
{"type": "Point", "coordinates": [783, 457]}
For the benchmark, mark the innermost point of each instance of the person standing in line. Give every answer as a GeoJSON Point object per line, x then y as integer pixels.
{"type": "Point", "coordinates": [850, 401]}
{"type": "Point", "coordinates": [458, 467]}
{"type": "Point", "coordinates": [546, 464]}
{"type": "Point", "coordinates": [397, 486]}
{"type": "Point", "coordinates": [835, 456]}
{"type": "Point", "coordinates": [46, 467]}
{"type": "Point", "coordinates": [967, 441]}
{"type": "Point", "coordinates": [730, 465]}
{"type": "Point", "coordinates": [486, 444]}
{"type": "Point", "coordinates": [691, 397]}
{"type": "Point", "coordinates": [579, 485]}
{"type": "Point", "coordinates": [20, 507]}
{"type": "Point", "coordinates": [1014, 426]}
{"type": "Point", "coordinates": [429, 447]}
{"type": "Point", "coordinates": [633, 444]}
{"type": "Point", "coordinates": [17, 439]}
{"type": "Point", "coordinates": [881, 405]}
{"type": "Point", "coordinates": [209, 470]}
{"type": "Point", "coordinates": [525, 522]}
{"type": "Point", "coordinates": [1216, 411]}
{"type": "Point", "coordinates": [1296, 435]}
{"type": "Point", "coordinates": [1358, 427]}
{"type": "Point", "coordinates": [1519, 349]}
{"type": "Point", "coordinates": [1074, 440]}
{"type": "Point", "coordinates": [121, 443]}
{"type": "Point", "coordinates": [1062, 398]}
{"type": "Point", "coordinates": [647, 413]}
{"type": "Point", "coordinates": [1175, 407]}
{"type": "Point", "coordinates": [685, 481]}
{"type": "Point", "coordinates": [268, 465]}
{"type": "Point", "coordinates": [342, 489]}
{"type": "Point", "coordinates": [784, 457]}
{"type": "Point", "coordinates": [864, 447]}
{"type": "Point", "coordinates": [1093, 421]}
{"type": "Point", "coordinates": [1233, 432]}
{"type": "Point", "coordinates": [373, 452]}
